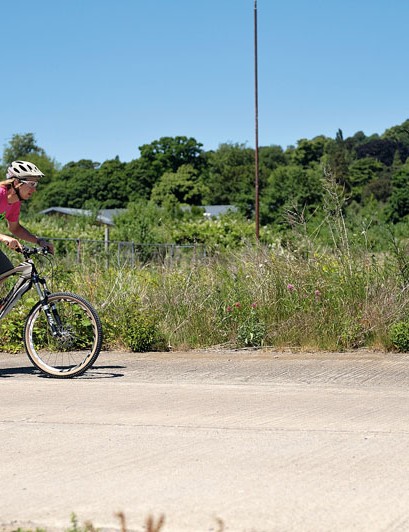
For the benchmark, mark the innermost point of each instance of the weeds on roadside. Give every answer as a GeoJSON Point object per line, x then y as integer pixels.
{"type": "Point", "coordinates": [151, 525]}
{"type": "Point", "coordinates": [259, 296]}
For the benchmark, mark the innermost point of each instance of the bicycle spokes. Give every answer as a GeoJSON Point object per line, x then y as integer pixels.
{"type": "Point", "coordinates": [65, 338]}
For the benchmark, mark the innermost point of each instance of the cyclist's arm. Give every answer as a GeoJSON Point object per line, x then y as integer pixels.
{"type": "Point", "coordinates": [22, 233]}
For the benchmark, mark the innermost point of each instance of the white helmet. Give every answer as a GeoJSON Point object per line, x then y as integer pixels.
{"type": "Point", "coordinates": [24, 170]}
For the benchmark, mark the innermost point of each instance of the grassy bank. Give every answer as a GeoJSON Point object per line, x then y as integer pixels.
{"type": "Point", "coordinates": [260, 296]}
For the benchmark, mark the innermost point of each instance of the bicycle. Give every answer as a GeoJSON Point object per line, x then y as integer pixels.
{"type": "Point", "coordinates": [62, 333]}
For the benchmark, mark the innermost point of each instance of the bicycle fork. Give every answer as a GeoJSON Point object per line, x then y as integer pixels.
{"type": "Point", "coordinates": [50, 310]}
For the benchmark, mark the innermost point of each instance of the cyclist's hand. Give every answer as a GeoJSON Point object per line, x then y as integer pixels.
{"type": "Point", "coordinates": [44, 244]}
{"type": "Point", "coordinates": [12, 243]}
{"type": "Point", "coordinates": [50, 248]}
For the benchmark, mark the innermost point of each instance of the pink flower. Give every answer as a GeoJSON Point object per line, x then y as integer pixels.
{"type": "Point", "coordinates": [229, 309]}
{"type": "Point", "coordinates": [317, 294]}
{"type": "Point", "coordinates": [290, 287]}
{"type": "Point", "coordinates": [254, 305]}
{"type": "Point", "coordinates": [237, 305]}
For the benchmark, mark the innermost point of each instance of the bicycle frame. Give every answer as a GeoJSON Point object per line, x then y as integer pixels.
{"type": "Point", "coordinates": [28, 276]}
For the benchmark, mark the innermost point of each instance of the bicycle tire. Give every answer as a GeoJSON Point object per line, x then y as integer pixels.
{"type": "Point", "coordinates": [78, 341]}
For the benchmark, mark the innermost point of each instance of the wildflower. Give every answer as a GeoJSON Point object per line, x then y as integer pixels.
{"type": "Point", "coordinates": [317, 294]}
{"type": "Point", "coordinates": [254, 305]}
{"type": "Point", "coordinates": [229, 309]}
{"type": "Point", "coordinates": [237, 305]}
{"type": "Point", "coordinates": [290, 287]}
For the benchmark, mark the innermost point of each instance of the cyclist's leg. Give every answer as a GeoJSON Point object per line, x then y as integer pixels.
{"type": "Point", "coordinates": [5, 263]}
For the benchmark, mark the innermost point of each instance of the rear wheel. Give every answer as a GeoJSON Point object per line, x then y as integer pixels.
{"type": "Point", "coordinates": [68, 341]}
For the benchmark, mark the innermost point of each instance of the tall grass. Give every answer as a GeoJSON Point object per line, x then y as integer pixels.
{"type": "Point", "coordinates": [259, 296]}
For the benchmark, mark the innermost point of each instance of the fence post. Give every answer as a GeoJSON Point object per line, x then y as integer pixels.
{"type": "Point", "coordinates": [106, 245]}
{"type": "Point", "coordinates": [78, 250]}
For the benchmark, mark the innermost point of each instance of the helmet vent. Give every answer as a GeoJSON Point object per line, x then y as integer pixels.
{"type": "Point", "coordinates": [24, 169]}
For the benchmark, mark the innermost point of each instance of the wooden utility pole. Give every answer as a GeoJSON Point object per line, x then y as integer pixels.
{"type": "Point", "coordinates": [257, 214]}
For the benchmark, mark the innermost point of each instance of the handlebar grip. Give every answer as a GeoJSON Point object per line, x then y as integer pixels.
{"type": "Point", "coordinates": [27, 251]}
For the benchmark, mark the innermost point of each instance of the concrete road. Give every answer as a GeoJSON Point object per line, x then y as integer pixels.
{"type": "Point", "coordinates": [213, 440]}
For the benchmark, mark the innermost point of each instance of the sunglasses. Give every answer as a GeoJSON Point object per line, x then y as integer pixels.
{"type": "Point", "coordinates": [32, 184]}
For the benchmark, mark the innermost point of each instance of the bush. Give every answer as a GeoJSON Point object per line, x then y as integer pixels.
{"type": "Point", "coordinates": [140, 332]}
{"type": "Point", "coordinates": [11, 327]}
{"type": "Point", "coordinates": [247, 327]}
{"type": "Point", "coordinates": [399, 335]}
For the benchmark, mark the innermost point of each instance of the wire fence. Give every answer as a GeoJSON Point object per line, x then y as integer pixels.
{"type": "Point", "coordinates": [119, 254]}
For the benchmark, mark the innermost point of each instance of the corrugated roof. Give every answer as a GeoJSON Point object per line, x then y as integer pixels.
{"type": "Point", "coordinates": [217, 210]}
{"type": "Point", "coordinates": [105, 216]}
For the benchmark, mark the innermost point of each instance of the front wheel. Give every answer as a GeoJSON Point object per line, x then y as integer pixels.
{"type": "Point", "coordinates": [67, 341]}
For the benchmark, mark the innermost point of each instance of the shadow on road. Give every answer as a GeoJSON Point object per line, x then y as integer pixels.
{"type": "Point", "coordinates": [96, 372]}
{"type": "Point", "coordinates": [11, 372]}
{"type": "Point", "coordinates": [102, 372]}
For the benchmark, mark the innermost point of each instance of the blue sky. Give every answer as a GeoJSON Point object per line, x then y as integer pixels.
{"type": "Point", "coordinates": [98, 78]}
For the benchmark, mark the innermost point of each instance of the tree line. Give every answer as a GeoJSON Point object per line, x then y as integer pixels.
{"type": "Point", "coordinates": [172, 172]}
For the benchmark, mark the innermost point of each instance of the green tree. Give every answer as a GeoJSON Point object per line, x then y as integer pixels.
{"type": "Point", "coordinates": [351, 143]}
{"type": "Point", "coordinates": [230, 177]}
{"type": "Point", "coordinates": [21, 147]}
{"type": "Point", "coordinates": [164, 155]}
{"type": "Point", "coordinates": [169, 153]}
{"type": "Point", "coordinates": [182, 186]}
{"type": "Point", "coordinates": [398, 205]}
{"type": "Point", "coordinates": [270, 157]}
{"type": "Point", "coordinates": [139, 179]}
{"type": "Point", "coordinates": [290, 189]}
{"type": "Point", "coordinates": [109, 188]}
{"type": "Point", "coordinates": [309, 151]}
{"type": "Point", "coordinates": [379, 189]}
{"type": "Point", "coordinates": [361, 173]}
{"type": "Point", "coordinates": [72, 187]}
{"type": "Point", "coordinates": [400, 135]}
{"type": "Point", "coordinates": [78, 184]}
{"type": "Point", "coordinates": [143, 223]}
{"type": "Point", "coordinates": [337, 159]}
{"type": "Point", "coordinates": [382, 150]}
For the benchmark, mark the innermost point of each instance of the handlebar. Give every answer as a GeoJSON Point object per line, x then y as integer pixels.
{"type": "Point", "coordinates": [27, 251]}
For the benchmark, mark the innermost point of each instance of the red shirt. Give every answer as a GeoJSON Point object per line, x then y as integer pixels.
{"type": "Point", "coordinates": [9, 211]}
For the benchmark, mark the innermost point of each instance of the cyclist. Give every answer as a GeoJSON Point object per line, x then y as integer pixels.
{"type": "Point", "coordinates": [20, 185]}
